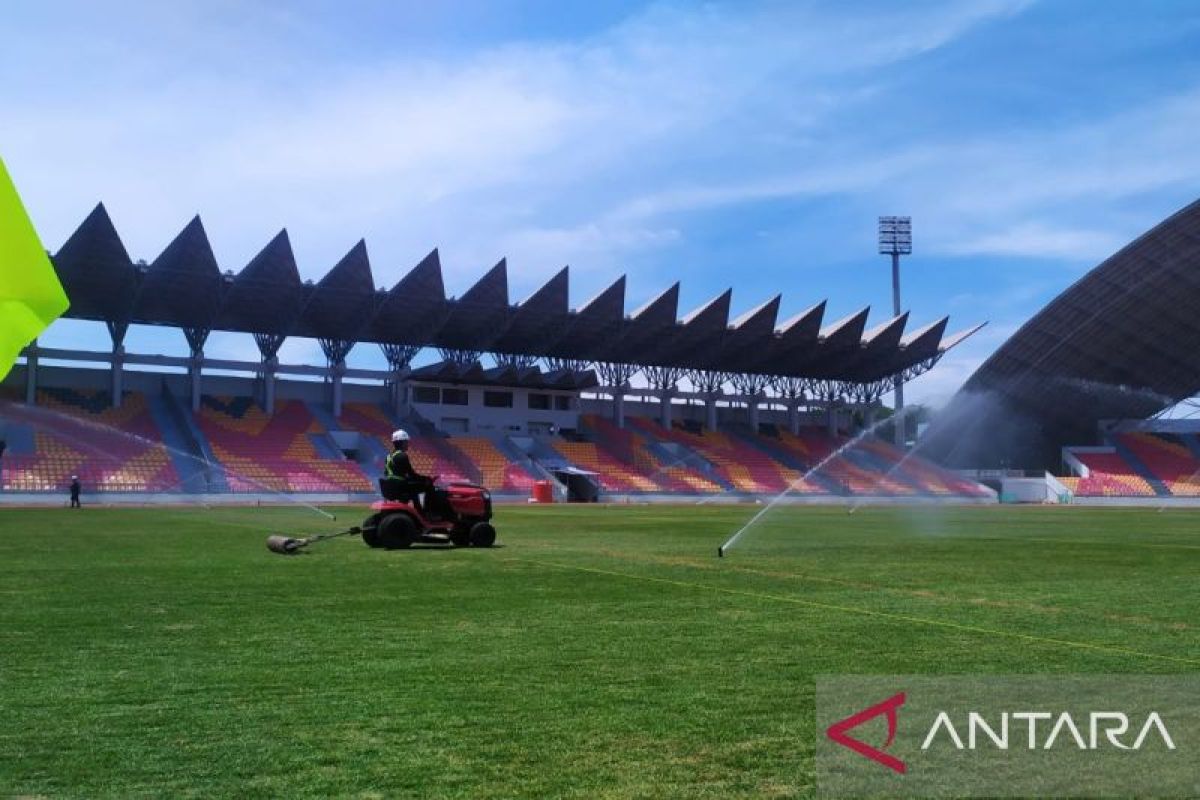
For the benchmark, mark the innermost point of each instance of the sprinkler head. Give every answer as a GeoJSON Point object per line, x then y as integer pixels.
{"type": "Point", "coordinates": [721, 551]}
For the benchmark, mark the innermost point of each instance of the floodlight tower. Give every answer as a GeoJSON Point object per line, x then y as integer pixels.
{"type": "Point", "coordinates": [895, 240]}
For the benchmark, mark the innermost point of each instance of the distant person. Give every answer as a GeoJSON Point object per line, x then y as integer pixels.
{"type": "Point", "coordinates": [75, 488]}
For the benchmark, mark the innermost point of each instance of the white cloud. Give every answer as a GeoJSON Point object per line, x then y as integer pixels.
{"type": "Point", "coordinates": [1039, 240]}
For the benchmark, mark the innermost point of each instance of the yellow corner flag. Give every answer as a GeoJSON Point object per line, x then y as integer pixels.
{"type": "Point", "coordinates": [30, 295]}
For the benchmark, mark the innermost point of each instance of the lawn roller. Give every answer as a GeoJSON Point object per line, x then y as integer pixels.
{"type": "Point", "coordinates": [456, 516]}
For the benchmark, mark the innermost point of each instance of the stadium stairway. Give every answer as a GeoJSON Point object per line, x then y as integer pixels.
{"type": "Point", "coordinates": [262, 452]}
{"type": "Point", "coordinates": [496, 470]}
{"type": "Point", "coordinates": [184, 454]}
{"type": "Point", "coordinates": [676, 450]}
{"type": "Point", "coordinates": [1135, 461]}
{"type": "Point", "coordinates": [195, 441]}
{"type": "Point", "coordinates": [516, 455]}
{"type": "Point", "coordinates": [431, 454]}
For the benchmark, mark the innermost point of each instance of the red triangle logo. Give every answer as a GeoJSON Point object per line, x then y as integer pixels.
{"type": "Point", "coordinates": [837, 732]}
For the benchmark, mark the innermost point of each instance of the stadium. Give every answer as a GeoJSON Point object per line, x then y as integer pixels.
{"type": "Point", "coordinates": [555, 404]}
{"type": "Point", "coordinates": [524, 538]}
{"type": "Point", "coordinates": [730, 410]}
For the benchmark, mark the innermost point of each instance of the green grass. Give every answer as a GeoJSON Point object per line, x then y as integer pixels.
{"type": "Point", "coordinates": [602, 652]}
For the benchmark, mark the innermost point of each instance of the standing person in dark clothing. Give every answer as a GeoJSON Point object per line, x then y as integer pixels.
{"type": "Point", "coordinates": [399, 467]}
{"type": "Point", "coordinates": [75, 487]}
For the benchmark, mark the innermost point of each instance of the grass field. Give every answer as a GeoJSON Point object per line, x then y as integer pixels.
{"type": "Point", "coordinates": [601, 652]}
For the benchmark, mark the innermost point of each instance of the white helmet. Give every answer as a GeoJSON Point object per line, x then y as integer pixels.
{"type": "Point", "coordinates": [399, 435]}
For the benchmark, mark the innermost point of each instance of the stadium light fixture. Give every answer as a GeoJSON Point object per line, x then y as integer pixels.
{"type": "Point", "coordinates": [895, 240]}
{"type": "Point", "coordinates": [895, 236]}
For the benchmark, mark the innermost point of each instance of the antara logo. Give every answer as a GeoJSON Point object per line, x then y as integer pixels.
{"type": "Point", "coordinates": [1115, 725]}
{"type": "Point", "coordinates": [837, 732]}
{"type": "Point", "coordinates": [1100, 730]}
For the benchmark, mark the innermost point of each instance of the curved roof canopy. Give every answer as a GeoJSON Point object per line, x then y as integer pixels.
{"type": "Point", "coordinates": [183, 287]}
{"type": "Point", "coordinates": [1122, 342]}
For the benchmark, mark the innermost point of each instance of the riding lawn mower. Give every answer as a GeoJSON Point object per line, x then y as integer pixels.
{"type": "Point", "coordinates": [456, 516]}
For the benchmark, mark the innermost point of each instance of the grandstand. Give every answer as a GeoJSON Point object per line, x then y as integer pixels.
{"type": "Point", "coordinates": [233, 446]}
{"type": "Point", "coordinates": [110, 449]}
{"type": "Point", "coordinates": [1138, 459]}
{"type": "Point", "coordinates": [559, 399]}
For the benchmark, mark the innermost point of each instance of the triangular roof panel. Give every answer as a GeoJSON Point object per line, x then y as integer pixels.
{"type": "Point", "coordinates": [183, 284]}
{"type": "Point", "coordinates": [886, 334]}
{"type": "Point", "coordinates": [491, 290]}
{"type": "Point", "coordinates": [760, 320]}
{"type": "Point", "coordinates": [609, 304]}
{"type": "Point", "coordinates": [424, 281]}
{"type": "Point", "coordinates": [661, 310]}
{"type": "Point", "coordinates": [95, 269]}
{"type": "Point", "coordinates": [352, 273]}
{"type": "Point", "coordinates": [552, 297]}
{"type": "Point", "coordinates": [712, 316]}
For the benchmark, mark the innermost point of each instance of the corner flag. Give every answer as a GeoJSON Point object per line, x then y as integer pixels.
{"type": "Point", "coordinates": [30, 295]}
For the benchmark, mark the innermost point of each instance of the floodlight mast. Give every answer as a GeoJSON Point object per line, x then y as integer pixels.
{"type": "Point", "coordinates": [895, 240]}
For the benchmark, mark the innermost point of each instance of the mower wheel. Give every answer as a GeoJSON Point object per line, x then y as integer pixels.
{"type": "Point", "coordinates": [482, 535]}
{"type": "Point", "coordinates": [397, 531]}
{"type": "Point", "coordinates": [460, 536]}
{"type": "Point", "coordinates": [371, 537]}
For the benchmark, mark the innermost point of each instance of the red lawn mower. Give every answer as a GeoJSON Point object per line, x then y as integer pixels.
{"type": "Point", "coordinates": [456, 516]}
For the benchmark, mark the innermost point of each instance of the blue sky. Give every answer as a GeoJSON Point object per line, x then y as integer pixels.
{"type": "Point", "coordinates": [746, 144]}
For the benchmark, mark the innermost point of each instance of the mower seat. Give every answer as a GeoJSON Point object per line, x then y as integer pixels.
{"type": "Point", "coordinates": [395, 489]}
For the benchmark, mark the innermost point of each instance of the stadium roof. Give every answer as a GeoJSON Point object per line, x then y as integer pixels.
{"type": "Point", "coordinates": [1122, 342]}
{"type": "Point", "coordinates": [184, 287]}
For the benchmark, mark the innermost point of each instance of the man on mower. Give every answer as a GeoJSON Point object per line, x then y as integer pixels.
{"type": "Point", "coordinates": [399, 468]}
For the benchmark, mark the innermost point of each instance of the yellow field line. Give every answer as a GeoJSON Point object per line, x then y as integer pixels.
{"type": "Point", "coordinates": [866, 612]}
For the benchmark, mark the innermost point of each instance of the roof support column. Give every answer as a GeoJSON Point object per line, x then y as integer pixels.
{"type": "Point", "coordinates": [118, 361]}
{"type": "Point", "coordinates": [663, 380]}
{"type": "Point", "coordinates": [268, 347]}
{"type": "Point", "coordinates": [117, 331]}
{"type": "Point", "coordinates": [338, 371]}
{"type": "Point", "coordinates": [336, 351]}
{"type": "Point", "coordinates": [195, 373]}
{"type": "Point", "coordinates": [399, 356]}
{"type": "Point", "coordinates": [268, 396]}
{"type": "Point", "coordinates": [617, 375]}
{"type": "Point", "coordinates": [791, 389]}
{"type": "Point", "coordinates": [751, 385]}
{"type": "Point", "coordinates": [709, 383]}
{"type": "Point", "coordinates": [31, 369]}
{"type": "Point", "coordinates": [196, 337]}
